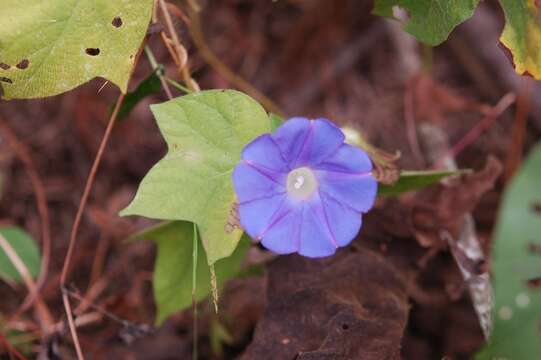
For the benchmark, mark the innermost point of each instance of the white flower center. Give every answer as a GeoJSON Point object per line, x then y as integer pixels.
{"type": "Point", "coordinates": [301, 183]}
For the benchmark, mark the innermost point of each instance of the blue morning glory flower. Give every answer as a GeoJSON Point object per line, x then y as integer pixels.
{"type": "Point", "coordinates": [302, 189]}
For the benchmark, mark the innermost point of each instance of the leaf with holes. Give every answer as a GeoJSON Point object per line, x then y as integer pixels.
{"type": "Point", "coordinates": [430, 21]}
{"type": "Point", "coordinates": [172, 280]}
{"type": "Point", "coordinates": [25, 247]}
{"type": "Point", "coordinates": [522, 35]}
{"type": "Point", "coordinates": [49, 47]}
{"type": "Point", "coordinates": [516, 266]}
{"type": "Point", "coordinates": [205, 133]}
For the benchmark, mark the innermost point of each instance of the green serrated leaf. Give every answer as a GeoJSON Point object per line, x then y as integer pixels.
{"type": "Point", "coordinates": [516, 259]}
{"type": "Point", "coordinates": [205, 133]}
{"type": "Point", "coordinates": [172, 279]}
{"type": "Point", "coordinates": [431, 21]}
{"type": "Point", "coordinates": [49, 47]}
{"type": "Point", "coordinates": [414, 180]}
{"type": "Point", "coordinates": [25, 247]}
{"type": "Point", "coordinates": [522, 35]}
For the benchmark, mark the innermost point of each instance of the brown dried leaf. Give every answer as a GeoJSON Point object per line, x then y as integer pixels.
{"type": "Point", "coordinates": [350, 306]}
{"type": "Point", "coordinates": [445, 206]}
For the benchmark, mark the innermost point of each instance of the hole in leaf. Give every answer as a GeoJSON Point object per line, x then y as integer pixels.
{"type": "Point", "coordinates": [536, 207]}
{"type": "Point", "coordinates": [534, 248]}
{"type": "Point", "coordinates": [535, 283]}
{"type": "Point", "coordinates": [93, 51]}
{"type": "Point", "coordinates": [345, 326]}
{"type": "Point", "coordinates": [4, 66]}
{"type": "Point", "coordinates": [6, 80]}
{"type": "Point", "coordinates": [117, 22]}
{"type": "Point", "coordinates": [23, 64]}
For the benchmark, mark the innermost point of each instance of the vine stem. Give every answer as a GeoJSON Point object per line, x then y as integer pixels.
{"type": "Point", "coordinates": [196, 32]}
{"type": "Point", "coordinates": [159, 71]}
{"type": "Point", "coordinates": [176, 49]}
{"type": "Point", "coordinates": [77, 222]}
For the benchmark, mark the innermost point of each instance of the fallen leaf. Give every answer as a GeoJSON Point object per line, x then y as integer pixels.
{"type": "Point", "coordinates": [444, 206]}
{"type": "Point", "coordinates": [349, 306]}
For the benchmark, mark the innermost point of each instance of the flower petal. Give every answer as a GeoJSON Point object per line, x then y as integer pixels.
{"type": "Point", "coordinates": [282, 238]}
{"type": "Point", "coordinates": [257, 216]}
{"type": "Point", "coordinates": [315, 238]}
{"type": "Point", "coordinates": [304, 142]}
{"type": "Point", "coordinates": [324, 140]}
{"type": "Point", "coordinates": [290, 138]}
{"type": "Point", "coordinates": [343, 221]}
{"type": "Point", "coordinates": [356, 191]}
{"type": "Point", "coordinates": [251, 184]}
{"type": "Point", "coordinates": [264, 151]}
{"type": "Point", "coordinates": [348, 159]}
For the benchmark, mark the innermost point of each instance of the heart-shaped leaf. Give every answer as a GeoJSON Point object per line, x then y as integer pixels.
{"type": "Point", "coordinates": [205, 133]}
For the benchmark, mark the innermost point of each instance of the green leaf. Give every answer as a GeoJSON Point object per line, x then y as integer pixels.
{"type": "Point", "coordinates": [205, 133]}
{"type": "Point", "coordinates": [522, 35]}
{"type": "Point", "coordinates": [414, 180]}
{"type": "Point", "coordinates": [27, 250]}
{"type": "Point", "coordinates": [151, 85]}
{"type": "Point", "coordinates": [218, 336]}
{"type": "Point", "coordinates": [516, 259]}
{"type": "Point", "coordinates": [431, 21]}
{"type": "Point", "coordinates": [275, 121]}
{"type": "Point", "coordinates": [49, 47]}
{"type": "Point", "coordinates": [173, 268]}
{"type": "Point", "coordinates": [385, 7]}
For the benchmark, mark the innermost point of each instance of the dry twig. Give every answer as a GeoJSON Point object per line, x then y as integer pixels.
{"type": "Point", "coordinates": [208, 55]}
{"type": "Point", "coordinates": [176, 49]}
{"type": "Point", "coordinates": [518, 133]}
{"type": "Point", "coordinates": [476, 131]}
{"type": "Point", "coordinates": [77, 221]}
{"type": "Point", "coordinates": [41, 199]}
{"type": "Point", "coordinates": [41, 309]}
{"type": "Point", "coordinates": [10, 349]}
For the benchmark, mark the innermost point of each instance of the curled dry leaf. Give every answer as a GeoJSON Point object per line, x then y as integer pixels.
{"type": "Point", "coordinates": [443, 208]}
